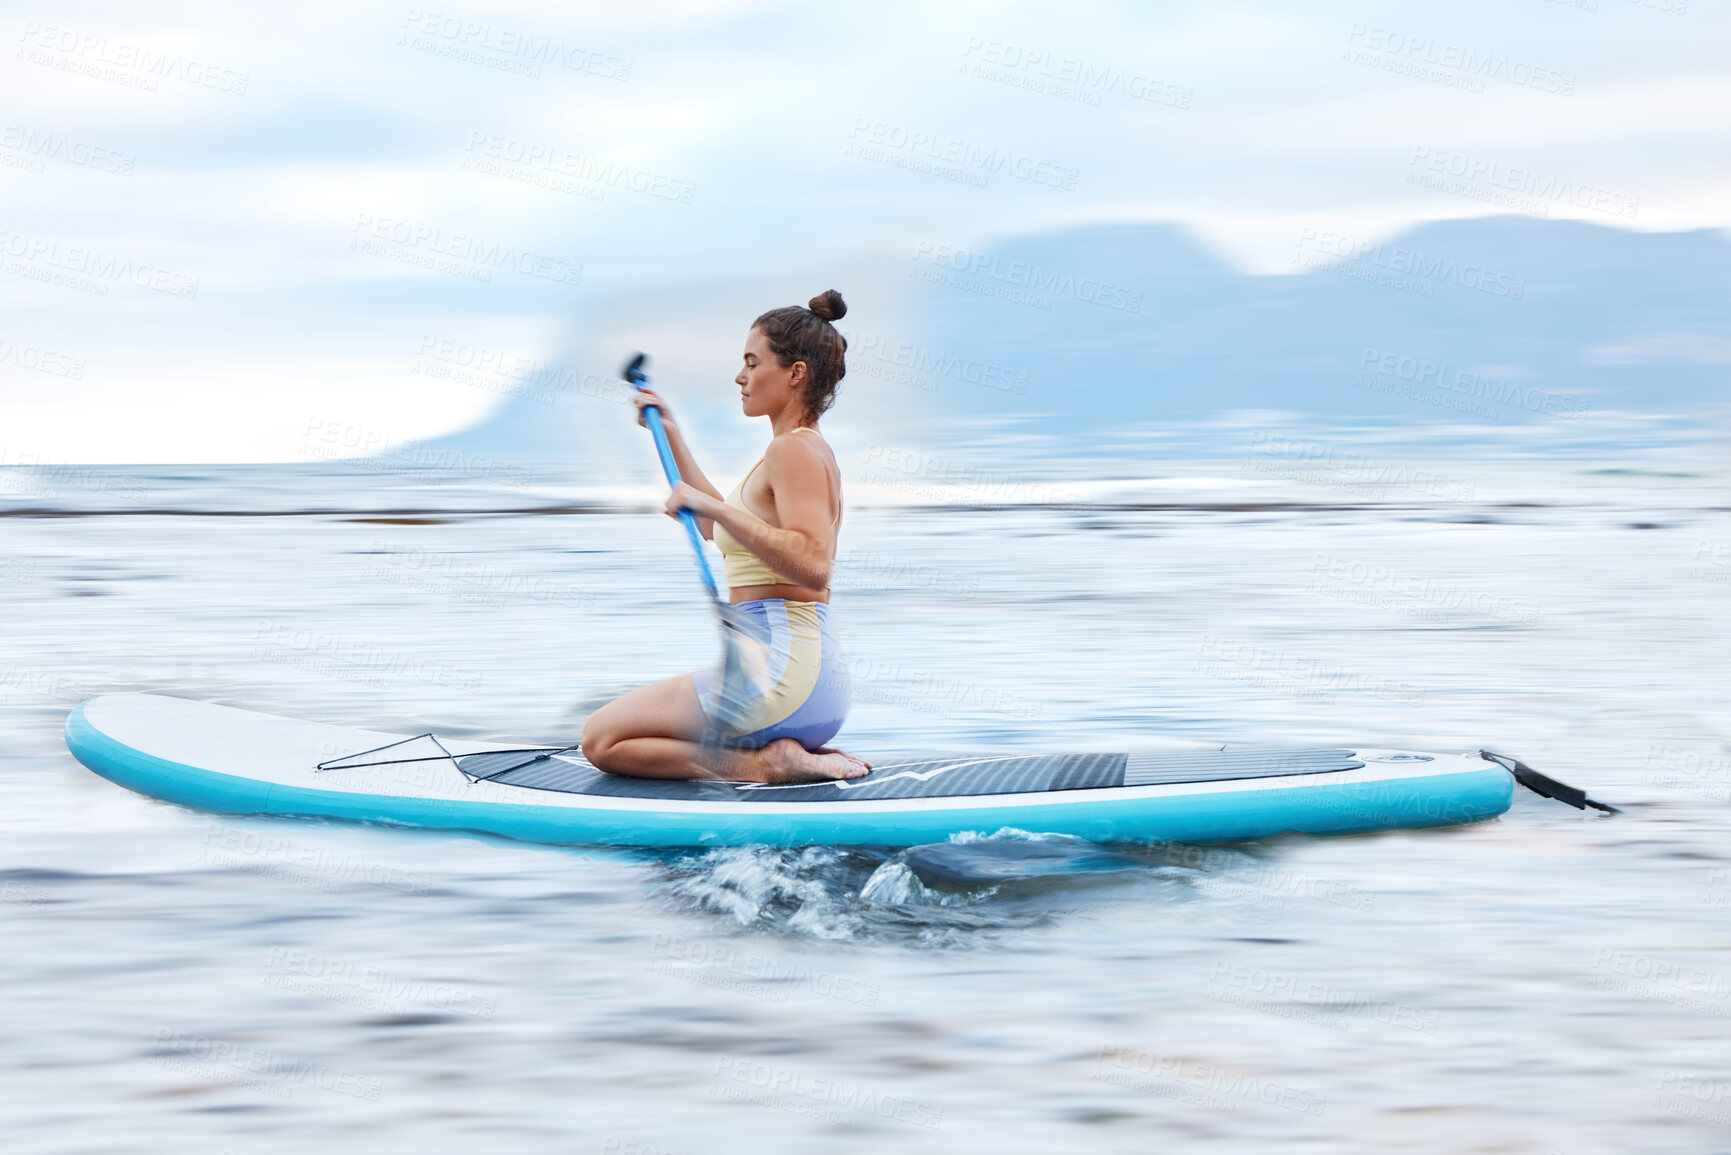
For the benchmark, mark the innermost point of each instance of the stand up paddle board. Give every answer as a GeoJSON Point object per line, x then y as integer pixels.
{"type": "Point", "coordinates": [228, 761]}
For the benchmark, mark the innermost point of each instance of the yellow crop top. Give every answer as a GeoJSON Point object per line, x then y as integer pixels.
{"type": "Point", "coordinates": [744, 568]}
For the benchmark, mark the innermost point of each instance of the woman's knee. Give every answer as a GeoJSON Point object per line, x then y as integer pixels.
{"type": "Point", "coordinates": [597, 739]}
{"type": "Point", "coordinates": [659, 710]}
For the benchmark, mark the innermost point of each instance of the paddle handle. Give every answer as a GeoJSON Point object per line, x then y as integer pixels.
{"type": "Point", "coordinates": [652, 415]}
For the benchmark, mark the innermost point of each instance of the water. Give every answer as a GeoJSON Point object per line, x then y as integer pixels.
{"type": "Point", "coordinates": [1550, 981]}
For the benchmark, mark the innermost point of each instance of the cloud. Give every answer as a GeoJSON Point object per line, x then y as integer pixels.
{"type": "Point", "coordinates": [195, 192]}
{"type": "Point", "coordinates": [1663, 349]}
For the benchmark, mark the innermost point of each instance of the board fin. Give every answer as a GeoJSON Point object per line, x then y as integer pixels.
{"type": "Point", "coordinates": [1545, 786]}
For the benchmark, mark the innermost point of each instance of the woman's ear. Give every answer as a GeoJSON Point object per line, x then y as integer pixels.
{"type": "Point", "coordinates": [797, 374]}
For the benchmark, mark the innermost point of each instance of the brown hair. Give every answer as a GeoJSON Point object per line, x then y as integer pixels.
{"type": "Point", "coordinates": [796, 334]}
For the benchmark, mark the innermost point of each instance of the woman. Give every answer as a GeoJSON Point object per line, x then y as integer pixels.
{"type": "Point", "coordinates": [777, 536]}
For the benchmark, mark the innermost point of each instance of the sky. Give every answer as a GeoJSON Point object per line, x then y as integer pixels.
{"type": "Point", "coordinates": [267, 233]}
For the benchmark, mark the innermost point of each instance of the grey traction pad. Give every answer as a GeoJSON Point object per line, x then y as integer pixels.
{"type": "Point", "coordinates": [947, 777]}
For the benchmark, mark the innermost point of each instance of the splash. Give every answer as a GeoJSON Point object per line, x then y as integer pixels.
{"type": "Point", "coordinates": [954, 893]}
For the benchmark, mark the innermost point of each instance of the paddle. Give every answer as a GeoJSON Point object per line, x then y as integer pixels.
{"type": "Point", "coordinates": [737, 688]}
{"type": "Point", "coordinates": [633, 373]}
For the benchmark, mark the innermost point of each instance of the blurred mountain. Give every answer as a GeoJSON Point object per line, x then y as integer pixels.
{"type": "Point", "coordinates": [1494, 321]}
{"type": "Point", "coordinates": [1499, 319]}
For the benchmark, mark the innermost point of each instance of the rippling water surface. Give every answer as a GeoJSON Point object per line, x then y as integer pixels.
{"type": "Point", "coordinates": [180, 982]}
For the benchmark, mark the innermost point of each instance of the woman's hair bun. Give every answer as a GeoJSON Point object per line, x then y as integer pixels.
{"type": "Point", "coordinates": [829, 305]}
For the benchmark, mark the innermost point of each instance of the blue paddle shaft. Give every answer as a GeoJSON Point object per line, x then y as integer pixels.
{"type": "Point", "coordinates": [652, 415]}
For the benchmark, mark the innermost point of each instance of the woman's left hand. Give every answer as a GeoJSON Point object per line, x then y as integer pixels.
{"type": "Point", "coordinates": [684, 496]}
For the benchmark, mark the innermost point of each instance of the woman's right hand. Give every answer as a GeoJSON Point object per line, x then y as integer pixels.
{"type": "Point", "coordinates": [642, 397]}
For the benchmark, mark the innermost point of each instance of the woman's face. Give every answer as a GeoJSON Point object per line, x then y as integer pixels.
{"type": "Point", "coordinates": [764, 386]}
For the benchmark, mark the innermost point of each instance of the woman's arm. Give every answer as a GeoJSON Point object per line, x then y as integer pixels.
{"type": "Point", "coordinates": [803, 547]}
{"type": "Point", "coordinates": [689, 472]}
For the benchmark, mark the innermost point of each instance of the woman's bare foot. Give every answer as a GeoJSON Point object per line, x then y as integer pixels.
{"type": "Point", "coordinates": [785, 761]}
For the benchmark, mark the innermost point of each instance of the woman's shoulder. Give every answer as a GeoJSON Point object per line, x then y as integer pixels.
{"type": "Point", "coordinates": [801, 442]}
{"type": "Point", "coordinates": [799, 458]}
